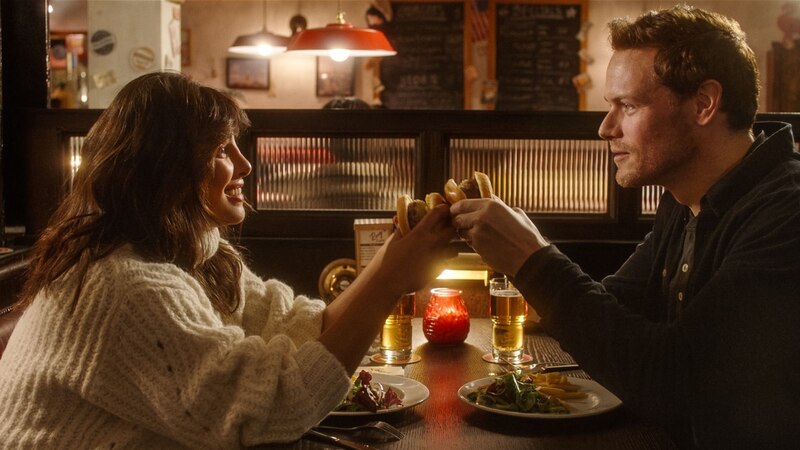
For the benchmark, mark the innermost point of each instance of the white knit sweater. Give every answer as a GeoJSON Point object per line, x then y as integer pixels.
{"type": "Point", "coordinates": [144, 361]}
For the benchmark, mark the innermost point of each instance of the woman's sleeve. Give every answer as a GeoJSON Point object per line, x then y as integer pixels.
{"type": "Point", "coordinates": [271, 308]}
{"type": "Point", "coordinates": [173, 367]}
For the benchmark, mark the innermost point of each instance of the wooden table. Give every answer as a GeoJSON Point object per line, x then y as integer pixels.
{"type": "Point", "coordinates": [444, 422]}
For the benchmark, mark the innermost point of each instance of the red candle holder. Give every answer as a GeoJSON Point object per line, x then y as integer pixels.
{"type": "Point", "coordinates": [446, 320]}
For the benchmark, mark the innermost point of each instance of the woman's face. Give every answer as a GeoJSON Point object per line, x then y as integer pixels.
{"type": "Point", "coordinates": [224, 196]}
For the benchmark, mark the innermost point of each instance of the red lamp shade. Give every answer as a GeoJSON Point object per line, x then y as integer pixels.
{"type": "Point", "coordinates": [341, 40]}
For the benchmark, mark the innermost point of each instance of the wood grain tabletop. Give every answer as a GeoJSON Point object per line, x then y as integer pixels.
{"type": "Point", "coordinates": [444, 421]}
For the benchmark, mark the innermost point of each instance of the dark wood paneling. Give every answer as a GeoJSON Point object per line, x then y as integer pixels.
{"type": "Point", "coordinates": [295, 246]}
{"type": "Point", "coordinates": [25, 78]}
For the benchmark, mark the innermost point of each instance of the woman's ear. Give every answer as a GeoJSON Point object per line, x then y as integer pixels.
{"type": "Point", "coordinates": [707, 101]}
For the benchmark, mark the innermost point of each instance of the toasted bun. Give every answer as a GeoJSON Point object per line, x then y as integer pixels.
{"type": "Point", "coordinates": [402, 214]}
{"type": "Point", "coordinates": [433, 199]}
{"type": "Point", "coordinates": [484, 184]}
{"type": "Point", "coordinates": [452, 192]}
{"type": "Point", "coordinates": [409, 213]}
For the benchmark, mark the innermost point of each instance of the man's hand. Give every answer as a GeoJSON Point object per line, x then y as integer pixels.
{"type": "Point", "coordinates": [504, 237]}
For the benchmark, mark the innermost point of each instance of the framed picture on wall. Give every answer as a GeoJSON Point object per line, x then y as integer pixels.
{"type": "Point", "coordinates": [335, 79]}
{"type": "Point", "coordinates": [245, 73]}
{"type": "Point", "coordinates": [186, 47]}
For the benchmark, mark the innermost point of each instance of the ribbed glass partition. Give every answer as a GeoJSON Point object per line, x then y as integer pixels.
{"type": "Point", "coordinates": [324, 173]}
{"type": "Point", "coordinates": [74, 144]}
{"type": "Point", "coordinates": [539, 175]}
{"type": "Point", "coordinates": [650, 197]}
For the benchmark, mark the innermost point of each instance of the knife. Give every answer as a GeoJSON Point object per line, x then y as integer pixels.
{"type": "Point", "coordinates": [340, 442]}
{"type": "Point", "coordinates": [559, 368]}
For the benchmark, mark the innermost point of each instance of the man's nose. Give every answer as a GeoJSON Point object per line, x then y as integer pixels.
{"type": "Point", "coordinates": [609, 127]}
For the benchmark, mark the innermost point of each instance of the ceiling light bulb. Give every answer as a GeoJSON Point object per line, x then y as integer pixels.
{"type": "Point", "coordinates": [265, 50]}
{"type": "Point", "coordinates": [339, 54]}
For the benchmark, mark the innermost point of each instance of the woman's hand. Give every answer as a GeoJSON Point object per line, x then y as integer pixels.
{"type": "Point", "coordinates": [409, 262]}
{"type": "Point", "coordinates": [504, 237]}
{"type": "Point", "coordinates": [402, 265]}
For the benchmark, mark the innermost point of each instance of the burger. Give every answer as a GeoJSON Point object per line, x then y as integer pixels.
{"type": "Point", "coordinates": [478, 186]}
{"type": "Point", "coordinates": [411, 211]}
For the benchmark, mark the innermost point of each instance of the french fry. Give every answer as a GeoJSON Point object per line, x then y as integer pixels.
{"type": "Point", "coordinates": [549, 390]}
{"type": "Point", "coordinates": [560, 393]}
{"type": "Point", "coordinates": [557, 385]}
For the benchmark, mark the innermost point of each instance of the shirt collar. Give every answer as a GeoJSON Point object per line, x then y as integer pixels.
{"type": "Point", "coordinates": [774, 142]}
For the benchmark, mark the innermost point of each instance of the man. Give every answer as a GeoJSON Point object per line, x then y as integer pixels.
{"type": "Point", "coordinates": [700, 328]}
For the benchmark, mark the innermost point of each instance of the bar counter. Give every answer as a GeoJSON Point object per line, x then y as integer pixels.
{"type": "Point", "coordinates": [444, 422]}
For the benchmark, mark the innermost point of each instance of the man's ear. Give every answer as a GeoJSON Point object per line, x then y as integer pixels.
{"type": "Point", "coordinates": [707, 101]}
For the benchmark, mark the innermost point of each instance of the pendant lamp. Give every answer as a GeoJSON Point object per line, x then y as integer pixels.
{"type": "Point", "coordinates": [341, 40]}
{"type": "Point", "coordinates": [262, 43]}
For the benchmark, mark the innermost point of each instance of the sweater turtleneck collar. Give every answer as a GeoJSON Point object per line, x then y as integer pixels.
{"type": "Point", "coordinates": [209, 244]}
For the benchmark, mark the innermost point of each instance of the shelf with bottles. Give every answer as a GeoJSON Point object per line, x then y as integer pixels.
{"type": "Point", "coordinates": [69, 86]}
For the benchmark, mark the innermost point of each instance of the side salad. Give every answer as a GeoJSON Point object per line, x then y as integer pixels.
{"type": "Point", "coordinates": [514, 392]}
{"type": "Point", "coordinates": [368, 396]}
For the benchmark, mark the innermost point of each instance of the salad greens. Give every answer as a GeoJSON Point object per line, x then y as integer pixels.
{"type": "Point", "coordinates": [513, 392]}
{"type": "Point", "coordinates": [368, 396]}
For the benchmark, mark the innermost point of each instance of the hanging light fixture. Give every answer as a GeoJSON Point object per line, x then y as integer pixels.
{"type": "Point", "coordinates": [262, 43]}
{"type": "Point", "coordinates": [341, 40]}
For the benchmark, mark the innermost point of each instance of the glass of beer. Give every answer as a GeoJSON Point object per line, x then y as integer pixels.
{"type": "Point", "coordinates": [396, 332]}
{"type": "Point", "coordinates": [508, 310]}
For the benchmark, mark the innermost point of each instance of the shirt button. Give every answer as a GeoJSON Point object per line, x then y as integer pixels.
{"type": "Point", "coordinates": [664, 273]}
{"type": "Point", "coordinates": [680, 296]}
{"type": "Point", "coordinates": [685, 268]}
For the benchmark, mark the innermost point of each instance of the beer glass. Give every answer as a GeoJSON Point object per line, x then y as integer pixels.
{"type": "Point", "coordinates": [396, 332]}
{"type": "Point", "coordinates": [507, 309]}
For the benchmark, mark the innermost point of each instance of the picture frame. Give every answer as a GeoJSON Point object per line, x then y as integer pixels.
{"type": "Point", "coordinates": [335, 79]}
{"type": "Point", "coordinates": [186, 47]}
{"type": "Point", "coordinates": [247, 73]}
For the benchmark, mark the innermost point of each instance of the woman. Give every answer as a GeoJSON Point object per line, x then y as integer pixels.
{"type": "Point", "coordinates": [144, 328]}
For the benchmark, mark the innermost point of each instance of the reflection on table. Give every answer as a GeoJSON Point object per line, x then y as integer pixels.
{"type": "Point", "coordinates": [445, 422]}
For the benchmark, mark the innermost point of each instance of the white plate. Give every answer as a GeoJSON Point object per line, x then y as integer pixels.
{"type": "Point", "coordinates": [411, 392]}
{"type": "Point", "coordinates": [598, 400]}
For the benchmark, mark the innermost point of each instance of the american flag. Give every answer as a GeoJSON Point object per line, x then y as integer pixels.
{"type": "Point", "coordinates": [480, 20]}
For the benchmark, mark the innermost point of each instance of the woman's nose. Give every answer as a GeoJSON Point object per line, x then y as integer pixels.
{"type": "Point", "coordinates": [243, 166]}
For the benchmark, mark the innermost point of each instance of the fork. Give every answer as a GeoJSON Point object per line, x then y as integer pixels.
{"type": "Point", "coordinates": [378, 429]}
{"type": "Point", "coordinates": [542, 367]}
{"type": "Point", "coordinates": [339, 441]}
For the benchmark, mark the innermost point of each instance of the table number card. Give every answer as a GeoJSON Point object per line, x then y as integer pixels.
{"type": "Point", "coordinates": [370, 234]}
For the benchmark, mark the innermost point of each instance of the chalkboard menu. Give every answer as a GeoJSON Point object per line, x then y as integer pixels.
{"type": "Point", "coordinates": [537, 56]}
{"type": "Point", "coordinates": [428, 70]}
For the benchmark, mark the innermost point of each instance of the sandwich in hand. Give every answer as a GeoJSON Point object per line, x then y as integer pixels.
{"type": "Point", "coordinates": [411, 211]}
{"type": "Point", "coordinates": [478, 186]}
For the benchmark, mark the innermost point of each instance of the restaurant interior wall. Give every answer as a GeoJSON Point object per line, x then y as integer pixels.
{"type": "Point", "coordinates": [25, 90]}
{"type": "Point", "coordinates": [214, 24]}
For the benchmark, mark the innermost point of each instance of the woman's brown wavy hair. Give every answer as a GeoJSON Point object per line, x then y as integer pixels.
{"type": "Point", "coordinates": [145, 167]}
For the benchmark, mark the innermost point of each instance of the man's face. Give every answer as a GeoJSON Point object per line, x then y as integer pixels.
{"type": "Point", "coordinates": [648, 127]}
